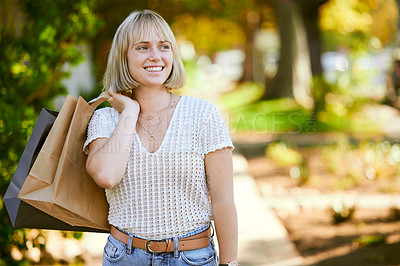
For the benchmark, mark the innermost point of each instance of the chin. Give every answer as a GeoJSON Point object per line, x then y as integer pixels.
{"type": "Point", "coordinates": [153, 85]}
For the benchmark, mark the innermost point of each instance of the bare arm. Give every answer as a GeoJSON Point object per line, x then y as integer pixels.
{"type": "Point", "coordinates": [108, 158]}
{"type": "Point", "coordinates": [219, 172]}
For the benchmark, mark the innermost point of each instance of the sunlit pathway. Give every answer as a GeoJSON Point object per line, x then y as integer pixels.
{"type": "Point", "coordinates": [296, 199]}
{"type": "Point", "coordinates": [263, 240]}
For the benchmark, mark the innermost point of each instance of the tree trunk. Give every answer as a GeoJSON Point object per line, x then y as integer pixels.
{"type": "Point", "coordinates": [252, 25]}
{"type": "Point", "coordinates": [294, 71]}
{"type": "Point", "coordinates": [310, 14]}
{"type": "Point", "coordinates": [281, 85]}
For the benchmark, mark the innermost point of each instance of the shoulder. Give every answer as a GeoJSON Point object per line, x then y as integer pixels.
{"type": "Point", "coordinates": [198, 105]}
{"type": "Point", "coordinates": [106, 114]}
{"type": "Point", "coordinates": [200, 111]}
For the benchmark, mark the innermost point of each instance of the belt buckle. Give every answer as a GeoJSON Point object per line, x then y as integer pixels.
{"type": "Point", "coordinates": [148, 246]}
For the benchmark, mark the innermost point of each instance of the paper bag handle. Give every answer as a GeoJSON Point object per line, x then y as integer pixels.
{"type": "Point", "coordinates": [99, 100]}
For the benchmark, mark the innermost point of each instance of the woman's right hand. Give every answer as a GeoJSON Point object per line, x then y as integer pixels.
{"type": "Point", "coordinates": [123, 103]}
{"type": "Point", "coordinates": [105, 163]}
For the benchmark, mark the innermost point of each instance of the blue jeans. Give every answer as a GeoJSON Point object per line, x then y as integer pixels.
{"type": "Point", "coordinates": [118, 253]}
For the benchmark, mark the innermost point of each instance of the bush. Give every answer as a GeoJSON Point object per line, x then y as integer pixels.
{"type": "Point", "coordinates": [37, 39]}
{"type": "Point", "coordinates": [287, 157]}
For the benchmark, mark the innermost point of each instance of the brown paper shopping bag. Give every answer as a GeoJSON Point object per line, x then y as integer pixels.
{"type": "Point", "coordinates": [58, 183]}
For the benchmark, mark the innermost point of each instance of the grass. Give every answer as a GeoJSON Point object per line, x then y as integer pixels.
{"type": "Point", "coordinates": [244, 94]}
{"type": "Point", "coordinates": [250, 114]}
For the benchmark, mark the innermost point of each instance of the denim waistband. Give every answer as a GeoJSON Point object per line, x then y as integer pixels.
{"type": "Point", "coordinates": [194, 232]}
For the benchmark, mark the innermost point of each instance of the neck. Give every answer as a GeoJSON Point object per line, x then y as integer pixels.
{"type": "Point", "coordinates": [151, 101]}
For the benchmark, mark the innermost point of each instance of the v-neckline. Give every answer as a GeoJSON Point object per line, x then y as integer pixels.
{"type": "Point", "coordinates": [166, 132]}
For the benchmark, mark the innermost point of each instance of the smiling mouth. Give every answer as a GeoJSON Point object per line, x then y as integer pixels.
{"type": "Point", "coordinates": [154, 69]}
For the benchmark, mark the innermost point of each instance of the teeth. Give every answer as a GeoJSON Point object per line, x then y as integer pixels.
{"type": "Point", "coordinates": [153, 69]}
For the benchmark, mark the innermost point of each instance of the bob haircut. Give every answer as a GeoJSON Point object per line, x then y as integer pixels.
{"type": "Point", "coordinates": [137, 26]}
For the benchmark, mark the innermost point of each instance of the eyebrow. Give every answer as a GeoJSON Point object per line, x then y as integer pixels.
{"type": "Point", "coordinates": [146, 42]}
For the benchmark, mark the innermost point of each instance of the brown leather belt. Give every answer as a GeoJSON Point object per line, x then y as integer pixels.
{"type": "Point", "coordinates": [200, 240]}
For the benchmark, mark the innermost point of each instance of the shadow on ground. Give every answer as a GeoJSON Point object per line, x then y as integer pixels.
{"type": "Point", "coordinates": [371, 256]}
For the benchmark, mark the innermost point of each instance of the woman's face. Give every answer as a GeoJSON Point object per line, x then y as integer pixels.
{"type": "Point", "coordinates": [150, 61]}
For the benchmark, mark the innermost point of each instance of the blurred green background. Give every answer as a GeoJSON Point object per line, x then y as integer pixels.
{"type": "Point", "coordinates": [277, 68]}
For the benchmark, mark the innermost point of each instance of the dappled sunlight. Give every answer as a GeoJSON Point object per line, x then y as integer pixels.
{"type": "Point", "coordinates": [201, 29]}
{"type": "Point", "coordinates": [310, 92]}
{"type": "Point", "coordinates": [374, 17]}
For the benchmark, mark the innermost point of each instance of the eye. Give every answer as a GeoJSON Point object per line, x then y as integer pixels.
{"type": "Point", "coordinates": [142, 48]}
{"type": "Point", "coordinates": [165, 46]}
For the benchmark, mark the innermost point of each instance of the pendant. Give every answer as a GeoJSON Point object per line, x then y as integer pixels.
{"type": "Point", "coordinates": [149, 122]}
{"type": "Point", "coordinates": [151, 138]}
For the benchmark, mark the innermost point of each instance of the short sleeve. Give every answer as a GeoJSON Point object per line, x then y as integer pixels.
{"type": "Point", "coordinates": [215, 134]}
{"type": "Point", "coordinates": [101, 125]}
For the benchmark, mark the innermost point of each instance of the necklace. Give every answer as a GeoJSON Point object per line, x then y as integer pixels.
{"type": "Point", "coordinates": [150, 120]}
{"type": "Point", "coordinates": [151, 134]}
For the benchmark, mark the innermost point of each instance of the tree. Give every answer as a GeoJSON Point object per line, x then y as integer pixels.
{"type": "Point", "coordinates": [318, 87]}
{"type": "Point", "coordinates": [358, 27]}
{"type": "Point", "coordinates": [357, 24]}
{"type": "Point", "coordinates": [37, 39]}
{"type": "Point", "coordinates": [360, 24]}
{"type": "Point", "coordinates": [294, 68]}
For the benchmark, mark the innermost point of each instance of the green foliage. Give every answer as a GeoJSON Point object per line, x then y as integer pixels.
{"type": "Point", "coordinates": [355, 162]}
{"type": "Point", "coordinates": [204, 21]}
{"type": "Point", "coordinates": [369, 240]}
{"type": "Point", "coordinates": [200, 30]}
{"type": "Point", "coordinates": [289, 158]}
{"type": "Point", "coordinates": [76, 235]}
{"type": "Point", "coordinates": [359, 24]}
{"type": "Point", "coordinates": [356, 28]}
{"type": "Point", "coordinates": [342, 104]}
{"type": "Point", "coordinates": [37, 39]}
{"type": "Point", "coordinates": [283, 155]}
{"type": "Point", "coordinates": [244, 94]}
{"type": "Point", "coordinates": [339, 109]}
{"type": "Point", "coordinates": [271, 116]}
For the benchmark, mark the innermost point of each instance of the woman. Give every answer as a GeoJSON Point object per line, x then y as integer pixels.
{"type": "Point", "coordinates": [165, 161]}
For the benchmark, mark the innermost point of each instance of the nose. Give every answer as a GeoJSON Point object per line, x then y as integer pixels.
{"type": "Point", "coordinates": [155, 55]}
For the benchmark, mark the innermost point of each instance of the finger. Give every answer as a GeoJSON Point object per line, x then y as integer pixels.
{"type": "Point", "coordinates": [111, 92]}
{"type": "Point", "coordinates": [110, 100]}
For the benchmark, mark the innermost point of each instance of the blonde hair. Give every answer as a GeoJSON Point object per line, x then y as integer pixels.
{"type": "Point", "coordinates": [134, 29]}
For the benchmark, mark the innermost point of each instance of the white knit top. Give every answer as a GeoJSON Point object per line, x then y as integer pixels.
{"type": "Point", "coordinates": [164, 194]}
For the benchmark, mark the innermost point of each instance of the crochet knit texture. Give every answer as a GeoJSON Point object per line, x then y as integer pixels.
{"type": "Point", "coordinates": [164, 194]}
